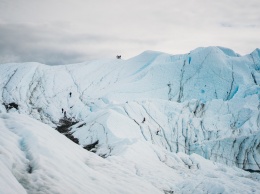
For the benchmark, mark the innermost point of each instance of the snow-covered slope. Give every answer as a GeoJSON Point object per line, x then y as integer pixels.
{"type": "Point", "coordinates": [37, 159]}
{"type": "Point", "coordinates": [205, 102]}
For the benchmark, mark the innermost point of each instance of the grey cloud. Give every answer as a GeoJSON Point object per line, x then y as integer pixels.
{"type": "Point", "coordinates": [22, 43]}
{"type": "Point", "coordinates": [52, 45]}
{"type": "Point", "coordinates": [69, 31]}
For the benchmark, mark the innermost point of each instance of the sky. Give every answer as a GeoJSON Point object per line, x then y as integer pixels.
{"type": "Point", "coordinates": [70, 31]}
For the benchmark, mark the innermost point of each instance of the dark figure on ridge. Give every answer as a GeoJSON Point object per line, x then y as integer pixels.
{"type": "Point", "coordinates": [143, 120]}
{"type": "Point", "coordinates": [70, 94]}
{"type": "Point", "coordinates": [62, 110]}
{"type": "Point", "coordinates": [65, 115]}
{"type": "Point", "coordinates": [118, 56]}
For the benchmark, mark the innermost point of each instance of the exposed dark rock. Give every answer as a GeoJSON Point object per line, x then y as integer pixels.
{"type": "Point", "coordinates": [89, 147]}
{"type": "Point", "coordinates": [250, 170]}
{"type": "Point", "coordinates": [11, 105]}
{"type": "Point", "coordinates": [30, 169]}
{"type": "Point", "coordinates": [103, 155]}
{"type": "Point", "coordinates": [72, 138]}
{"type": "Point", "coordinates": [168, 192]}
{"type": "Point", "coordinates": [64, 128]}
{"type": "Point", "coordinates": [81, 125]}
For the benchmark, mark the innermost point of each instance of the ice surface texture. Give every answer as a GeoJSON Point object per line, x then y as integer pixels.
{"type": "Point", "coordinates": [141, 112]}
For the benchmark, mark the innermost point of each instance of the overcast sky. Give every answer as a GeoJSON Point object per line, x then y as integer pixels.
{"type": "Point", "coordinates": [70, 31]}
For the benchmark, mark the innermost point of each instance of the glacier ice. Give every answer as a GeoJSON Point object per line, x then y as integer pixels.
{"type": "Point", "coordinates": [205, 102]}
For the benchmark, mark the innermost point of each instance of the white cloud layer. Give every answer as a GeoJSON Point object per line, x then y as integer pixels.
{"type": "Point", "coordinates": [58, 32]}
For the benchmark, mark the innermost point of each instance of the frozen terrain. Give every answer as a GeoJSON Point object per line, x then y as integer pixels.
{"type": "Point", "coordinates": [37, 159]}
{"type": "Point", "coordinates": [147, 117]}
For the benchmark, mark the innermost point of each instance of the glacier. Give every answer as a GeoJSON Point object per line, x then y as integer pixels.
{"type": "Point", "coordinates": [167, 123]}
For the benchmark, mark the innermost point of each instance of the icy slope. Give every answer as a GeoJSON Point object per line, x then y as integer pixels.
{"type": "Point", "coordinates": [37, 159]}
{"type": "Point", "coordinates": [204, 102]}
